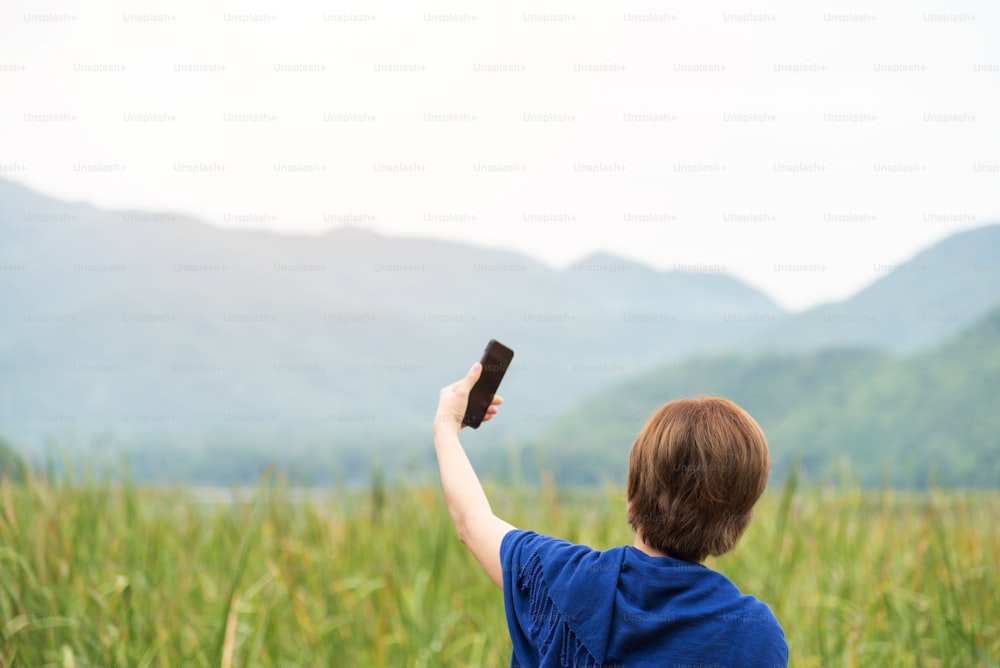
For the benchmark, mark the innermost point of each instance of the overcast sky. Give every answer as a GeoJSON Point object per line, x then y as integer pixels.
{"type": "Point", "coordinates": [803, 148]}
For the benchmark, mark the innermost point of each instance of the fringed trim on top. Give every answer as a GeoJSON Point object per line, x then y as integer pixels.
{"type": "Point", "coordinates": [547, 622]}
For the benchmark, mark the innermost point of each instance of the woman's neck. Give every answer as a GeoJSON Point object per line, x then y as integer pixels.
{"type": "Point", "coordinates": [640, 545]}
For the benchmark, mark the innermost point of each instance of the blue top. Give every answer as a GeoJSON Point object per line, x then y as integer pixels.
{"type": "Point", "coordinates": [572, 606]}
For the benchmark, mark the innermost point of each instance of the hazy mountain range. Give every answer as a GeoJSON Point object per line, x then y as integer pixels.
{"type": "Point", "coordinates": [161, 335]}
{"type": "Point", "coordinates": [905, 420]}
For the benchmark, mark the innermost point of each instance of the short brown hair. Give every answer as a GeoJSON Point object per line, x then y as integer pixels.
{"type": "Point", "coordinates": [694, 474]}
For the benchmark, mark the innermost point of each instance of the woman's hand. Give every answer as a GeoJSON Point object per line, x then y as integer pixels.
{"type": "Point", "coordinates": [454, 399]}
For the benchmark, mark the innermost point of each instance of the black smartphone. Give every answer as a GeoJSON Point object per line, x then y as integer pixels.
{"type": "Point", "coordinates": [496, 359]}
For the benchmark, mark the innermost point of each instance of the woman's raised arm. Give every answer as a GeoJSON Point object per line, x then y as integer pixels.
{"type": "Point", "coordinates": [478, 528]}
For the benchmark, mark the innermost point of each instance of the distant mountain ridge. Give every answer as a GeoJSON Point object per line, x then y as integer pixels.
{"type": "Point", "coordinates": [913, 305]}
{"type": "Point", "coordinates": [148, 329]}
{"type": "Point", "coordinates": [136, 324]}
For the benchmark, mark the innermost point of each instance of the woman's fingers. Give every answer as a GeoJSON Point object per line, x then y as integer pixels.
{"type": "Point", "coordinates": [490, 412]}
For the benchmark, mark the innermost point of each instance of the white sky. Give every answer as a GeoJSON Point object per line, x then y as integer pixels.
{"type": "Point", "coordinates": [846, 220]}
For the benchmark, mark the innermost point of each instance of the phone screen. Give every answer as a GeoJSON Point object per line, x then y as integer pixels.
{"type": "Point", "coordinates": [496, 359]}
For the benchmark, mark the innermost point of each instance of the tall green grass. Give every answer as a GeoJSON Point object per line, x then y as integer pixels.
{"type": "Point", "coordinates": [96, 573]}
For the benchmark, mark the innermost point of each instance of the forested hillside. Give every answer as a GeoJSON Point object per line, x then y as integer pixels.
{"type": "Point", "coordinates": [905, 420]}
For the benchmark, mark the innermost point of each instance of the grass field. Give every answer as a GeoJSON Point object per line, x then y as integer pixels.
{"type": "Point", "coordinates": [100, 574]}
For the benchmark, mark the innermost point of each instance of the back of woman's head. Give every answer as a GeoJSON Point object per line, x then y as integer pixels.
{"type": "Point", "coordinates": [695, 472]}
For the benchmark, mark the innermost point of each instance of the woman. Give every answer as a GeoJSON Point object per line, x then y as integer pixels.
{"type": "Point", "coordinates": [694, 474]}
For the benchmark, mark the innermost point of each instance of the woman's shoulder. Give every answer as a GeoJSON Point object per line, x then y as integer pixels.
{"type": "Point", "coordinates": [554, 588]}
{"type": "Point", "coordinates": [523, 544]}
